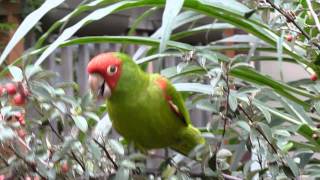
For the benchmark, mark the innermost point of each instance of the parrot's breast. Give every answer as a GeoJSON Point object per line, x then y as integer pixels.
{"type": "Point", "coordinates": [145, 118]}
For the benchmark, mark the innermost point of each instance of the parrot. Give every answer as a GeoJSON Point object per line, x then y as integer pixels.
{"type": "Point", "coordinates": [144, 108]}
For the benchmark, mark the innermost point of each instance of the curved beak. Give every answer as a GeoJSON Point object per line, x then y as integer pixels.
{"type": "Point", "coordinates": [99, 87]}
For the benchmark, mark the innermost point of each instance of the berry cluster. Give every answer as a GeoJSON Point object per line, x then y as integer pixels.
{"type": "Point", "coordinates": [17, 92]}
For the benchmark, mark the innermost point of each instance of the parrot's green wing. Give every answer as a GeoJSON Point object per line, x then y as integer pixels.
{"type": "Point", "coordinates": [174, 99]}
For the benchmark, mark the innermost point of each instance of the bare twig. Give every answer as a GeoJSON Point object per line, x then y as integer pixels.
{"type": "Point", "coordinates": [291, 19]}
{"type": "Point", "coordinates": [107, 153]}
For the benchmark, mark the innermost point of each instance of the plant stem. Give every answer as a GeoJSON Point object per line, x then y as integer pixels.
{"type": "Point", "coordinates": [291, 19]}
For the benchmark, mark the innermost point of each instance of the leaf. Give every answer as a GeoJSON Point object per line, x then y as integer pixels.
{"type": "Point", "coordinates": [293, 167]}
{"type": "Point", "coordinates": [248, 74]}
{"type": "Point", "coordinates": [95, 150]}
{"type": "Point", "coordinates": [16, 73]}
{"type": "Point", "coordinates": [194, 87]}
{"type": "Point", "coordinates": [122, 174]}
{"type": "Point", "coordinates": [266, 130]}
{"type": "Point", "coordinates": [69, 32]}
{"type": "Point", "coordinates": [233, 103]}
{"type": "Point", "coordinates": [265, 113]}
{"type": "Point", "coordinates": [224, 153]}
{"type": "Point", "coordinates": [116, 146]}
{"type": "Point", "coordinates": [103, 127]}
{"type": "Point", "coordinates": [92, 116]}
{"type": "Point", "coordinates": [81, 123]}
{"type": "Point", "coordinates": [29, 22]}
{"type": "Point", "coordinates": [244, 125]}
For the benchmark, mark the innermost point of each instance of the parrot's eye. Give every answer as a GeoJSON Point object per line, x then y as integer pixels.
{"type": "Point", "coordinates": [112, 69]}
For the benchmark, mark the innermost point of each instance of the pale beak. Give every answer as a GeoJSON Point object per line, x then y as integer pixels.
{"type": "Point", "coordinates": [99, 87]}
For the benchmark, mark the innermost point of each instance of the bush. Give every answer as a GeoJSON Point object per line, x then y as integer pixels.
{"type": "Point", "coordinates": [45, 133]}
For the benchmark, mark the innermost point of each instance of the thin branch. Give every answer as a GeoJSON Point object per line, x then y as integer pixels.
{"type": "Point", "coordinates": [78, 161]}
{"type": "Point", "coordinates": [291, 19]}
{"type": "Point", "coordinates": [314, 15]}
{"type": "Point", "coordinates": [30, 164]}
{"type": "Point", "coordinates": [107, 153]}
{"type": "Point", "coordinates": [4, 160]}
{"type": "Point", "coordinates": [259, 130]}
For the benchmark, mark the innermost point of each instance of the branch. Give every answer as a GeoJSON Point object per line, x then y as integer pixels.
{"type": "Point", "coordinates": [259, 130]}
{"type": "Point", "coordinates": [291, 19]}
{"type": "Point", "coordinates": [314, 15]}
{"type": "Point", "coordinates": [30, 164]}
{"type": "Point", "coordinates": [107, 153]}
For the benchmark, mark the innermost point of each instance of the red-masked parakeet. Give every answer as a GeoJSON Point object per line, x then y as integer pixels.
{"type": "Point", "coordinates": [144, 108]}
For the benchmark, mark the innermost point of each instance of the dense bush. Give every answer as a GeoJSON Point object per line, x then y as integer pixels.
{"type": "Point", "coordinates": [259, 126]}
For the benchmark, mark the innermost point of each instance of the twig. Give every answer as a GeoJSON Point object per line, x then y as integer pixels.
{"type": "Point", "coordinates": [30, 164]}
{"type": "Point", "coordinates": [4, 160]}
{"type": "Point", "coordinates": [78, 161]}
{"type": "Point", "coordinates": [259, 130]}
{"type": "Point", "coordinates": [291, 19]}
{"type": "Point", "coordinates": [314, 15]}
{"type": "Point", "coordinates": [107, 153]}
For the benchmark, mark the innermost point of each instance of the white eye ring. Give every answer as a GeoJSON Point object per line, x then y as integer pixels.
{"type": "Point", "coordinates": [111, 70]}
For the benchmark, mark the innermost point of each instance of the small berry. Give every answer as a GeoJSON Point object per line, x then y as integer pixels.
{"type": "Point", "coordinates": [313, 77]}
{"type": "Point", "coordinates": [21, 133]}
{"type": "Point", "coordinates": [27, 178]}
{"type": "Point", "coordinates": [64, 167]}
{"type": "Point", "coordinates": [2, 90]}
{"type": "Point", "coordinates": [2, 177]}
{"type": "Point", "coordinates": [11, 88]}
{"type": "Point", "coordinates": [289, 37]}
{"type": "Point", "coordinates": [18, 100]}
{"type": "Point", "coordinates": [36, 178]}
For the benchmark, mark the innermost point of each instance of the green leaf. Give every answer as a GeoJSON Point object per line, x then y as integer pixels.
{"type": "Point", "coordinates": [265, 113]}
{"type": "Point", "coordinates": [293, 167]}
{"type": "Point", "coordinates": [122, 174]}
{"type": "Point", "coordinates": [29, 22]}
{"type": "Point", "coordinates": [233, 103]}
{"type": "Point", "coordinates": [244, 125]}
{"type": "Point", "coordinates": [171, 10]}
{"type": "Point", "coordinates": [69, 32]}
{"type": "Point", "coordinates": [95, 150]}
{"type": "Point", "coordinates": [81, 123]}
{"type": "Point", "coordinates": [116, 146]}
{"type": "Point", "coordinates": [16, 73]}
{"type": "Point", "coordinates": [266, 130]}
{"type": "Point", "coordinates": [248, 74]}
{"type": "Point", "coordinates": [194, 87]}
{"type": "Point", "coordinates": [307, 132]}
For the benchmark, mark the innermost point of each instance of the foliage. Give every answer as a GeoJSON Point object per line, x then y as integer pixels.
{"type": "Point", "coordinates": [259, 126]}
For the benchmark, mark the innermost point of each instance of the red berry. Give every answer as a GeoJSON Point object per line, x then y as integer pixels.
{"type": "Point", "coordinates": [36, 178]}
{"type": "Point", "coordinates": [2, 177]}
{"type": "Point", "coordinates": [314, 77]}
{"type": "Point", "coordinates": [21, 133]}
{"type": "Point", "coordinates": [289, 37]}
{"type": "Point", "coordinates": [11, 88]}
{"type": "Point", "coordinates": [2, 89]}
{"type": "Point", "coordinates": [27, 178]}
{"type": "Point", "coordinates": [19, 100]}
{"type": "Point", "coordinates": [64, 167]}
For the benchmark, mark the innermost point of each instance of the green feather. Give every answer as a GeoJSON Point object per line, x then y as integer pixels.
{"type": "Point", "coordinates": [141, 113]}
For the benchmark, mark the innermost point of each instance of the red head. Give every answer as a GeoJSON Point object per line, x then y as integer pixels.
{"type": "Point", "coordinates": [104, 72]}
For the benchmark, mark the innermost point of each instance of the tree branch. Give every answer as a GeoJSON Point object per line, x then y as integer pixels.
{"type": "Point", "coordinates": [291, 19]}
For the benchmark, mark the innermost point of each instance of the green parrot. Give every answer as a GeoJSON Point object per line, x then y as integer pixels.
{"type": "Point", "coordinates": [144, 108]}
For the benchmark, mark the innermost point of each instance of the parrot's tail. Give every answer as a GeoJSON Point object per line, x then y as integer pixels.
{"type": "Point", "coordinates": [190, 138]}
